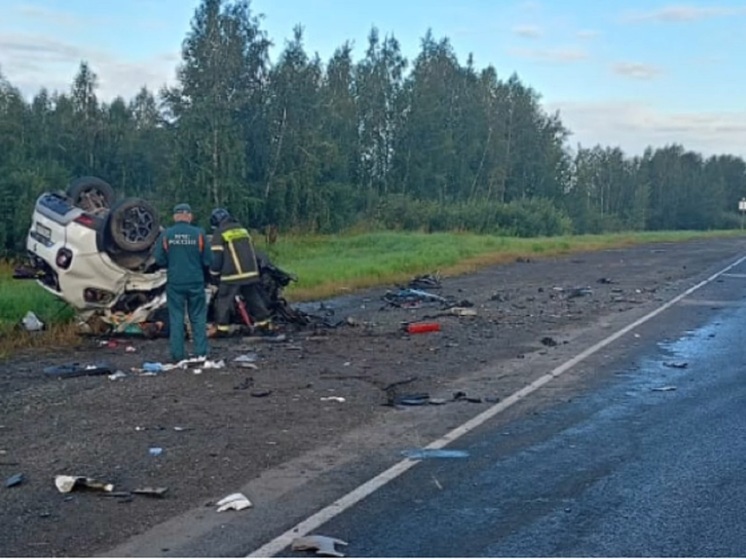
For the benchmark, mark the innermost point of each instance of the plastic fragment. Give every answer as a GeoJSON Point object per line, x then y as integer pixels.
{"type": "Point", "coordinates": [323, 545]}
{"type": "Point", "coordinates": [15, 479]}
{"type": "Point", "coordinates": [65, 483]}
{"type": "Point", "coordinates": [234, 501]}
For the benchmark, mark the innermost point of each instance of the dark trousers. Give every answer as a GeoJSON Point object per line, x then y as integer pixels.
{"type": "Point", "coordinates": [193, 298]}
{"type": "Point", "coordinates": [225, 302]}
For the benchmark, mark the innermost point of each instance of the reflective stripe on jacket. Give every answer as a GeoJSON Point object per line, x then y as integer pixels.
{"type": "Point", "coordinates": [233, 256]}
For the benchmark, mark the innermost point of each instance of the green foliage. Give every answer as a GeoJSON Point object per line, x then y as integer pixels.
{"type": "Point", "coordinates": [522, 218]}
{"type": "Point", "coordinates": [435, 145]}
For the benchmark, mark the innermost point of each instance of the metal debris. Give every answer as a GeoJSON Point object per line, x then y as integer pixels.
{"type": "Point", "coordinates": [323, 545]}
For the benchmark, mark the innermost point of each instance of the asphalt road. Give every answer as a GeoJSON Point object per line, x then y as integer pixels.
{"type": "Point", "coordinates": [647, 460]}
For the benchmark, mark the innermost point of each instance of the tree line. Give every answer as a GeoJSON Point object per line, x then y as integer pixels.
{"type": "Point", "coordinates": [303, 144]}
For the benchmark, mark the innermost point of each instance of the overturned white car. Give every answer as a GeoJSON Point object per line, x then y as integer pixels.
{"type": "Point", "coordinates": [95, 253]}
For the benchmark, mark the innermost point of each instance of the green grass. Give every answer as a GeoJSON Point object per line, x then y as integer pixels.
{"type": "Point", "coordinates": [335, 264]}
{"type": "Point", "coordinates": [17, 297]}
{"type": "Point", "coordinates": [329, 265]}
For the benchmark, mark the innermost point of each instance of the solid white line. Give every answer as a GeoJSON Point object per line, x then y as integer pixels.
{"type": "Point", "coordinates": [343, 503]}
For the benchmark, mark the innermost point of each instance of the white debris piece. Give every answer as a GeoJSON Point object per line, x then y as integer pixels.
{"type": "Point", "coordinates": [31, 322]}
{"type": "Point", "coordinates": [234, 501]}
{"type": "Point", "coordinates": [324, 545]}
{"type": "Point", "coordinates": [65, 484]}
{"type": "Point", "coordinates": [332, 399]}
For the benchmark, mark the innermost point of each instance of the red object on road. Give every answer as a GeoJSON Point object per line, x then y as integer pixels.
{"type": "Point", "coordinates": [423, 327]}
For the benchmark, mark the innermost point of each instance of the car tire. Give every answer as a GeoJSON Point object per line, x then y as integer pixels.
{"type": "Point", "coordinates": [91, 194]}
{"type": "Point", "coordinates": [133, 225]}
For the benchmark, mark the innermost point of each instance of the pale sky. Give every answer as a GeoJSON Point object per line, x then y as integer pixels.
{"type": "Point", "coordinates": [626, 73]}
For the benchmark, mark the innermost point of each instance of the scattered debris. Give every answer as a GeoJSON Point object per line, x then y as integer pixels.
{"type": "Point", "coordinates": [437, 401]}
{"type": "Point", "coordinates": [152, 367]}
{"type": "Point", "coordinates": [462, 397]}
{"type": "Point", "coordinates": [339, 399]}
{"type": "Point", "coordinates": [676, 364]}
{"type": "Point", "coordinates": [412, 298]}
{"type": "Point", "coordinates": [77, 370]}
{"type": "Point", "coordinates": [155, 451]}
{"type": "Point", "coordinates": [151, 491]}
{"type": "Point", "coordinates": [246, 383]}
{"type": "Point", "coordinates": [664, 389]}
{"type": "Point", "coordinates": [422, 453]}
{"type": "Point", "coordinates": [246, 360]}
{"type": "Point", "coordinates": [579, 292]}
{"type": "Point", "coordinates": [130, 349]}
{"type": "Point", "coordinates": [117, 375]}
{"type": "Point", "coordinates": [65, 484]}
{"type": "Point", "coordinates": [422, 327]}
{"type": "Point", "coordinates": [418, 399]}
{"type": "Point", "coordinates": [214, 364]}
{"type": "Point", "coordinates": [499, 297]}
{"type": "Point", "coordinates": [234, 501]}
{"type": "Point", "coordinates": [15, 479]}
{"type": "Point", "coordinates": [548, 341]}
{"type": "Point", "coordinates": [462, 311]}
{"type": "Point", "coordinates": [605, 281]}
{"type": "Point", "coordinates": [428, 281]}
{"type": "Point", "coordinates": [260, 393]}
{"type": "Point", "coordinates": [31, 322]}
{"type": "Point", "coordinates": [323, 545]}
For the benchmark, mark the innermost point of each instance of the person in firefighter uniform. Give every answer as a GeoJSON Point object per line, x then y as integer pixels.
{"type": "Point", "coordinates": [235, 271]}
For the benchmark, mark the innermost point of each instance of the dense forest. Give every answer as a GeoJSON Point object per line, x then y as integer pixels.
{"type": "Point", "coordinates": [324, 146]}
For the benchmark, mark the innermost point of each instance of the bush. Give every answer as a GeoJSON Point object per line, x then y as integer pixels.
{"type": "Point", "coordinates": [524, 218]}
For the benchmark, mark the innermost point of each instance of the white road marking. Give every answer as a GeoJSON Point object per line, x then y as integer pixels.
{"type": "Point", "coordinates": [356, 495]}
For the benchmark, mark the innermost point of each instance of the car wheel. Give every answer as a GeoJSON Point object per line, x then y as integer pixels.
{"type": "Point", "coordinates": [91, 194]}
{"type": "Point", "coordinates": [133, 225]}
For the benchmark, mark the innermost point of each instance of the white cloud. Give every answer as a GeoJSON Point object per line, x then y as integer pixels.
{"type": "Point", "coordinates": [550, 55]}
{"type": "Point", "coordinates": [682, 13]}
{"type": "Point", "coordinates": [634, 126]}
{"type": "Point", "coordinates": [32, 61]}
{"type": "Point", "coordinates": [636, 70]}
{"type": "Point", "coordinates": [528, 31]}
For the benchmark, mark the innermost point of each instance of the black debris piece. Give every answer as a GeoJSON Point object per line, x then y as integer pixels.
{"type": "Point", "coordinates": [15, 479]}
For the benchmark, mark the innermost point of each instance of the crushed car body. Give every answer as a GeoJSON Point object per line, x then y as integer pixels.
{"type": "Point", "coordinates": [96, 253]}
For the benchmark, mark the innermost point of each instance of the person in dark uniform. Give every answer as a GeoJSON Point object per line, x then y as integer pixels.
{"type": "Point", "coordinates": [236, 272]}
{"type": "Point", "coordinates": [182, 249]}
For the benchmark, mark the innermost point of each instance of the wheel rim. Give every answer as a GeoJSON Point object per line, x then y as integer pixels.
{"type": "Point", "coordinates": [137, 225]}
{"type": "Point", "coordinates": [92, 200]}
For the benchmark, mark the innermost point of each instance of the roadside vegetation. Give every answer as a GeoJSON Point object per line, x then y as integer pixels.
{"type": "Point", "coordinates": [328, 265]}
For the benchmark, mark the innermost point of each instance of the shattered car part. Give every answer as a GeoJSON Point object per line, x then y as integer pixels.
{"type": "Point", "coordinates": [65, 484]}
{"type": "Point", "coordinates": [234, 501]}
{"type": "Point", "coordinates": [323, 545]}
{"type": "Point", "coordinates": [77, 370]}
{"type": "Point", "coordinates": [15, 479]}
{"type": "Point", "coordinates": [151, 491]}
{"type": "Point", "coordinates": [96, 254]}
